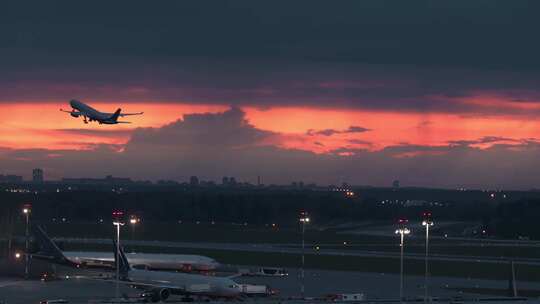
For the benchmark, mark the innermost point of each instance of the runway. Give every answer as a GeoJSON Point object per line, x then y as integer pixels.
{"type": "Point", "coordinates": [290, 249]}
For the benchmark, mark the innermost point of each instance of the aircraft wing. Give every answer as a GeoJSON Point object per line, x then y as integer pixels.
{"type": "Point", "coordinates": [130, 114]}
{"type": "Point", "coordinates": [125, 114]}
{"type": "Point", "coordinates": [183, 290]}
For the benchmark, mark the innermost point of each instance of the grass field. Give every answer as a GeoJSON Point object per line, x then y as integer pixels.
{"type": "Point", "coordinates": [329, 239]}
{"type": "Point", "coordinates": [479, 249]}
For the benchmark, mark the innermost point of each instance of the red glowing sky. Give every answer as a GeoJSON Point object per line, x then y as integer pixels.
{"type": "Point", "coordinates": [42, 125]}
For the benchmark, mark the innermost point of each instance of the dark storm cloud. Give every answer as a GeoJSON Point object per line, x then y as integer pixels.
{"type": "Point", "coordinates": [369, 54]}
{"type": "Point", "coordinates": [388, 55]}
{"type": "Point", "coordinates": [263, 84]}
{"type": "Point", "coordinates": [467, 33]}
{"type": "Point", "coordinates": [229, 129]}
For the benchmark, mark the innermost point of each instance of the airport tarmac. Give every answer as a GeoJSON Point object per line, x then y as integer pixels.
{"type": "Point", "coordinates": [18, 291]}
{"type": "Point", "coordinates": [318, 283]}
{"type": "Point", "coordinates": [373, 285]}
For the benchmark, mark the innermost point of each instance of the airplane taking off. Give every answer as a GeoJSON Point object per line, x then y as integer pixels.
{"type": "Point", "coordinates": [91, 114]}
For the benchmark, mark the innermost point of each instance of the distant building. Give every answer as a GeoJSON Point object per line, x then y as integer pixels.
{"type": "Point", "coordinates": [395, 184]}
{"type": "Point", "coordinates": [37, 176]}
{"type": "Point", "coordinates": [228, 181]}
{"type": "Point", "coordinates": [10, 179]}
{"type": "Point", "coordinates": [194, 181]}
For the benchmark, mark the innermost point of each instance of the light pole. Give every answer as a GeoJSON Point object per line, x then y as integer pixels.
{"type": "Point", "coordinates": [117, 221]}
{"type": "Point", "coordinates": [27, 209]}
{"type": "Point", "coordinates": [427, 222]}
{"type": "Point", "coordinates": [402, 231]}
{"type": "Point", "coordinates": [304, 219]}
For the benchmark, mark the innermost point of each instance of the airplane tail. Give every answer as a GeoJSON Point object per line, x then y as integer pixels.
{"type": "Point", "coordinates": [48, 249]}
{"type": "Point", "coordinates": [116, 114]}
{"type": "Point", "coordinates": [124, 264]}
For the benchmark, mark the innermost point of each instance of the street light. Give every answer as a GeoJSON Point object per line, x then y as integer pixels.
{"type": "Point", "coordinates": [133, 220]}
{"type": "Point", "coordinates": [27, 209]}
{"type": "Point", "coordinates": [117, 221]}
{"type": "Point", "coordinates": [427, 222]}
{"type": "Point", "coordinates": [304, 219]}
{"type": "Point", "coordinates": [402, 231]}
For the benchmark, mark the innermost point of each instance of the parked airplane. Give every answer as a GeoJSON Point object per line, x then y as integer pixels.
{"type": "Point", "coordinates": [159, 285]}
{"type": "Point", "coordinates": [177, 262]}
{"type": "Point", "coordinates": [91, 114]}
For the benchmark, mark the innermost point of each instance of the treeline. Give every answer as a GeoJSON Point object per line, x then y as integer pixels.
{"type": "Point", "coordinates": [519, 219]}
{"type": "Point", "coordinates": [508, 215]}
{"type": "Point", "coordinates": [258, 206]}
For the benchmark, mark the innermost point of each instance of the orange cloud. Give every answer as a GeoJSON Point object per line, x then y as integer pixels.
{"type": "Point", "coordinates": [387, 128]}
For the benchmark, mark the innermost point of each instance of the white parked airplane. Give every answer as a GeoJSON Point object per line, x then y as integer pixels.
{"type": "Point", "coordinates": [91, 114]}
{"type": "Point", "coordinates": [177, 262]}
{"type": "Point", "coordinates": [159, 285]}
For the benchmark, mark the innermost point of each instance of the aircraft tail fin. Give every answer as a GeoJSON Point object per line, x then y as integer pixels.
{"type": "Point", "coordinates": [47, 248]}
{"type": "Point", "coordinates": [124, 264]}
{"type": "Point", "coordinates": [115, 115]}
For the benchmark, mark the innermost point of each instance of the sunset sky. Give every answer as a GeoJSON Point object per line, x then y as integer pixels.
{"type": "Point", "coordinates": [359, 92]}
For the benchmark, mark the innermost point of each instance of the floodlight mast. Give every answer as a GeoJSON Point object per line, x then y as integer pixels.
{"type": "Point", "coordinates": [402, 231]}
{"type": "Point", "coordinates": [304, 219]}
{"type": "Point", "coordinates": [27, 209]}
{"type": "Point", "coordinates": [117, 221]}
{"type": "Point", "coordinates": [427, 222]}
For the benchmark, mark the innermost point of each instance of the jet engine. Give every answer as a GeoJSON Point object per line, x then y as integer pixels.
{"type": "Point", "coordinates": [74, 114]}
{"type": "Point", "coordinates": [157, 295]}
